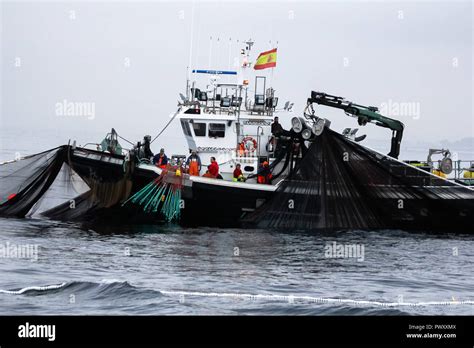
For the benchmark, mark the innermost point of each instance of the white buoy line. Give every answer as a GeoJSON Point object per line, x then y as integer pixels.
{"type": "Point", "coordinates": [293, 298]}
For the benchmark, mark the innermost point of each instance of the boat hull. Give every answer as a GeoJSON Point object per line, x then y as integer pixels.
{"type": "Point", "coordinates": [210, 202]}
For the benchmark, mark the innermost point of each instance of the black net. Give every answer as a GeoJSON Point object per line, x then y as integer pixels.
{"type": "Point", "coordinates": [26, 184]}
{"type": "Point", "coordinates": [97, 202]}
{"type": "Point", "coordinates": [341, 185]}
{"type": "Point", "coordinates": [64, 189]}
{"type": "Point", "coordinates": [23, 182]}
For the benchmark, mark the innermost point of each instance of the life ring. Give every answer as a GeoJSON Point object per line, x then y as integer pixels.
{"type": "Point", "coordinates": [245, 142]}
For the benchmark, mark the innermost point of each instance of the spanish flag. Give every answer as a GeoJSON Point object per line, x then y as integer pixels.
{"type": "Point", "coordinates": [266, 59]}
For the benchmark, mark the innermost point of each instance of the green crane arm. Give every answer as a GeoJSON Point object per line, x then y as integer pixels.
{"type": "Point", "coordinates": [364, 114]}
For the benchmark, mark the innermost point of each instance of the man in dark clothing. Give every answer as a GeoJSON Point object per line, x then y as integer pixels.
{"type": "Point", "coordinates": [277, 131]}
{"type": "Point", "coordinates": [147, 153]}
{"type": "Point", "coordinates": [161, 160]}
{"type": "Point", "coordinates": [277, 128]}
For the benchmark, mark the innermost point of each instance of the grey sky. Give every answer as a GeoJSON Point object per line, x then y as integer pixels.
{"type": "Point", "coordinates": [369, 52]}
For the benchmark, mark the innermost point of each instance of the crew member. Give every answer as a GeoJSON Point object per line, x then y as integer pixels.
{"type": "Point", "coordinates": [194, 164]}
{"type": "Point", "coordinates": [161, 160]}
{"type": "Point", "coordinates": [214, 168]}
{"type": "Point", "coordinates": [208, 175]}
{"type": "Point", "coordinates": [264, 175]}
{"type": "Point", "coordinates": [147, 153]}
{"type": "Point", "coordinates": [277, 132]}
{"type": "Point", "coordinates": [277, 128]}
{"type": "Point", "coordinates": [238, 176]}
{"type": "Point", "coordinates": [241, 149]}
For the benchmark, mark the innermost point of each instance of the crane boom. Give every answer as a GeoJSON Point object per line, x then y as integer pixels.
{"type": "Point", "coordinates": [364, 114]}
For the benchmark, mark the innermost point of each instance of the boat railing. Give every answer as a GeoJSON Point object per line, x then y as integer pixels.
{"type": "Point", "coordinates": [96, 145]}
{"type": "Point", "coordinates": [458, 173]}
{"type": "Point", "coordinates": [459, 168]}
{"type": "Point", "coordinates": [233, 104]}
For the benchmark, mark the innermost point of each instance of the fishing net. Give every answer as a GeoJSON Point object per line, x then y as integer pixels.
{"type": "Point", "coordinates": [23, 182]}
{"type": "Point", "coordinates": [101, 200]}
{"type": "Point", "coordinates": [341, 185]}
{"type": "Point", "coordinates": [162, 195]}
{"type": "Point", "coordinates": [46, 184]}
{"type": "Point", "coordinates": [67, 185]}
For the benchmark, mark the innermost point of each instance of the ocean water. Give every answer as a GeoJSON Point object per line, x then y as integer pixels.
{"type": "Point", "coordinates": [79, 268]}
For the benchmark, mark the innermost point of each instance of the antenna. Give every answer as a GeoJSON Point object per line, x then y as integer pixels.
{"type": "Point", "coordinates": [249, 43]}
{"type": "Point", "coordinates": [230, 51]}
{"type": "Point", "coordinates": [210, 52]}
{"type": "Point", "coordinates": [218, 59]}
{"type": "Point", "coordinates": [190, 50]}
{"type": "Point", "coordinates": [191, 41]}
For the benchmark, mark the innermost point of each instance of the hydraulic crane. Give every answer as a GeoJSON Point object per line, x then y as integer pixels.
{"type": "Point", "coordinates": [364, 114]}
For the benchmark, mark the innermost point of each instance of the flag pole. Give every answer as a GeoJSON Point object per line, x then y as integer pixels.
{"type": "Point", "coordinates": [191, 40]}
{"type": "Point", "coordinates": [272, 82]}
{"type": "Point", "coordinates": [210, 52]}
{"type": "Point", "coordinates": [272, 78]}
{"type": "Point", "coordinates": [277, 59]}
{"type": "Point", "coordinates": [188, 73]}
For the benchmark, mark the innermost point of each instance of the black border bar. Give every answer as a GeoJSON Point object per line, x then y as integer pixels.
{"type": "Point", "coordinates": [227, 330]}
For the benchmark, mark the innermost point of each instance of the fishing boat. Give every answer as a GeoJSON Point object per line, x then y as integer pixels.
{"type": "Point", "coordinates": [319, 178]}
{"type": "Point", "coordinates": [228, 118]}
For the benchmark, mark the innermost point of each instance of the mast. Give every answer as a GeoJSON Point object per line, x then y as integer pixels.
{"type": "Point", "coordinates": [190, 51]}
{"type": "Point", "coordinates": [245, 63]}
{"type": "Point", "coordinates": [243, 67]}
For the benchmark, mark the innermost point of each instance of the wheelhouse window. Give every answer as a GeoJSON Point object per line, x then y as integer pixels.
{"type": "Point", "coordinates": [216, 130]}
{"type": "Point", "coordinates": [186, 128]}
{"type": "Point", "coordinates": [199, 129]}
